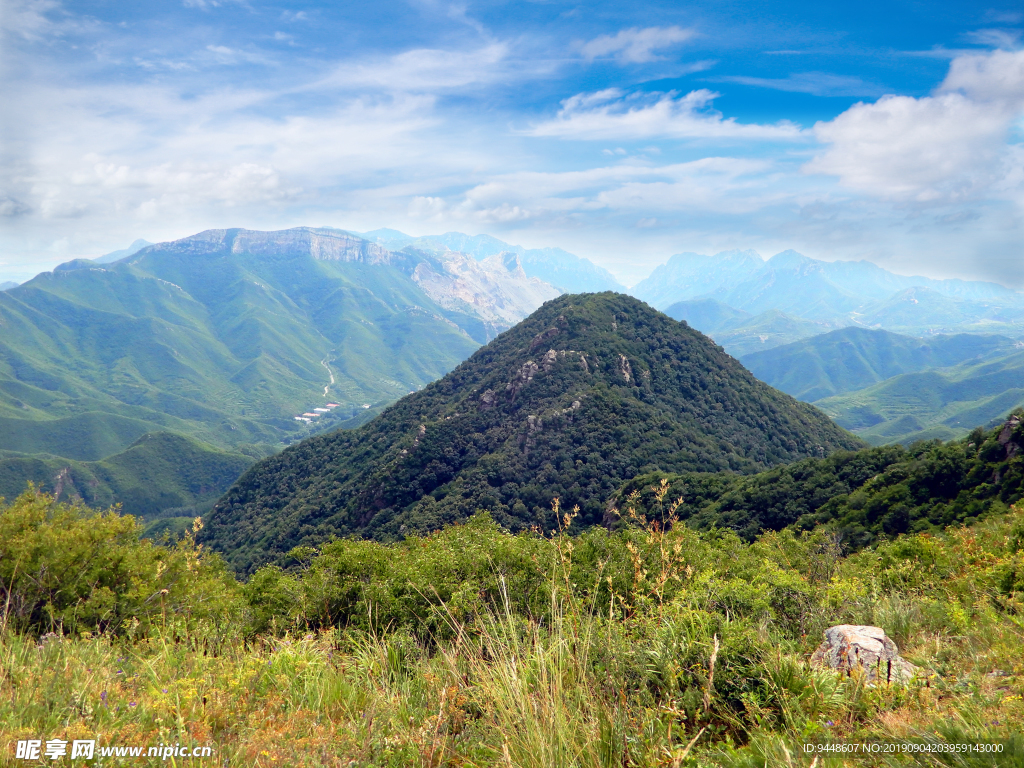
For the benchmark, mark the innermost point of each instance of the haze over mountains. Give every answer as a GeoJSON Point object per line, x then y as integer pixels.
{"type": "Point", "coordinates": [790, 296]}
{"type": "Point", "coordinates": [567, 272]}
{"type": "Point", "coordinates": [823, 332]}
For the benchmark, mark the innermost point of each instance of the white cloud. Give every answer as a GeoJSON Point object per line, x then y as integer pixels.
{"type": "Point", "coordinates": [635, 46]}
{"type": "Point", "coordinates": [611, 114]}
{"type": "Point", "coordinates": [716, 185]}
{"type": "Point", "coordinates": [995, 38]}
{"type": "Point", "coordinates": [422, 69]}
{"type": "Point", "coordinates": [935, 150]}
{"type": "Point", "coordinates": [817, 83]}
{"type": "Point", "coordinates": [34, 20]}
{"type": "Point", "coordinates": [230, 56]}
{"type": "Point", "coordinates": [996, 76]}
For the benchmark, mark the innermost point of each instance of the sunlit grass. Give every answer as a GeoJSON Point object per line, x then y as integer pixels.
{"type": "Point", "coordinates": [675, 666]}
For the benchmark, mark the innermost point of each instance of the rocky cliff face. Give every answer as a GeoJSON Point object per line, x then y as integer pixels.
{"type": "Point", "coordinates": [321, 244]}
{"type": "Point", "coordinates": [496, 289]}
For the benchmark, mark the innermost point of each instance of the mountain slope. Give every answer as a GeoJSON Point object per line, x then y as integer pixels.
{"type": "Point", "coordinates": [236, 337]}
{"type": "Point", "coordinates": [943, 403]}
{"type": "Point", "coordinates": [568, 272]}
{"type": "Point", "coordinates": [707, 315]}
{"type": "Point", "coordinates": [226, 335]}
{"type": "Point", "coordinates": [854, 358]}
{"type": "Point", "coordinates": [158, 473]}
{"type": "Point", "coordinates": [741, 333]}
{"type": "Point", "coordinates": [588, 391]}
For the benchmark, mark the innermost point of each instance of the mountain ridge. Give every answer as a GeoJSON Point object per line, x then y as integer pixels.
{"type": "Point", "coordinates": [566, 271]}
{"type": "Point", "coordinates": [839, 293]}
{"type": "Point", "coordinates": [854, 358]}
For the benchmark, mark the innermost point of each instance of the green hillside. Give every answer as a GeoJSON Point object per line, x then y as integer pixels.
{"type": "Point", "coordinates": [765, 331]}
{"type": "Point", "coordinates": [854, 358]}
{"type": "Point", "coordinates": [224, 337]}
{"type": "Point", "coordinates": [863, 495]}
{"type": "Point", "coordinates": [217, 337]}
{"type": "Point", "coordinates": [587, 392]}
{"type": "Point", "coordinates": [158, 474]}
{"type": "Point", "coordinates": [940, 404]}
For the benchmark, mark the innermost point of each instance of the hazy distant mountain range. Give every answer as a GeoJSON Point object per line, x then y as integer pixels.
{"type": "Point", "coordinates": [829, 294]}
{"type": "Point", "coordinates": [740, 332]}
{"type": "Point", "coordinates": [113, 256]}
{"type": "Point", "coordinates": [940, 403]}
{"type": "Point", "coordinates": [891, 388]}
{"type": "Point", "coordinates": [8, 284]}
{"type": "Point", "coordinates": [854, 358]}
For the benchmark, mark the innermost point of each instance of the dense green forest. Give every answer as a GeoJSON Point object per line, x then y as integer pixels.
{"type": "Point", "coordinates": [862, 495]}
{"type": "Point", "coordinates": [589, 391]}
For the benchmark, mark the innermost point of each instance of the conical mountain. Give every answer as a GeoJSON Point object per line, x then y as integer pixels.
{"type": "Point", "coordinates": [588, 391]}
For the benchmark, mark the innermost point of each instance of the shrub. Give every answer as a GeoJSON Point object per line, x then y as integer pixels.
{"type": "Point", "coordinates": [66, 568]}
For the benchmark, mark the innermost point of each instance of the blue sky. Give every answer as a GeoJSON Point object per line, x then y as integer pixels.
{"type": "Point", "coordinates": [886, 131]}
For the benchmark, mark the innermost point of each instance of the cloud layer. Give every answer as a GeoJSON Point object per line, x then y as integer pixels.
{"type": "Point", "coordinates": [623, 141]}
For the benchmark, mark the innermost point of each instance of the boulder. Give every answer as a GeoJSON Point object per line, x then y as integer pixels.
{"type": "Point", "coordinates": [848, 647]}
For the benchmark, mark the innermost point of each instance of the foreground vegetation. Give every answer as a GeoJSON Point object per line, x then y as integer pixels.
{"type": "Point", "coordinates": [654, 645]}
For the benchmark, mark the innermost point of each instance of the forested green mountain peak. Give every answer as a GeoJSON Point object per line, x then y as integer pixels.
{"type": "Point", "coordinates": [588, 391]}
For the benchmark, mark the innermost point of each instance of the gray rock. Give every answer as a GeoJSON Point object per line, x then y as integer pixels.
{"type": "Point", "coordinates": [848, 647]}
{"type": "Point", "coordinates": [1006, 435]}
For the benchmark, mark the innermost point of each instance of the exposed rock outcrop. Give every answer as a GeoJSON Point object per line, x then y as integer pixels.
{"type": "Point", "coordinates": [626, 369]}
{"type": "Point", "coordinates": [850, 647]}
{"type": "Point", "coordinates": [1006, 437]}
{"type": "Point", "coordinates": [522, 378]}
{"type": "Point", "coordinates": [488, 399]}
{"type": "Point", "coordinates": [495, 289]}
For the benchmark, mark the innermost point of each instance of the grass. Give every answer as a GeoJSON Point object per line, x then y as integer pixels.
{"type": "Point", "coordinates": [699, 657]}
